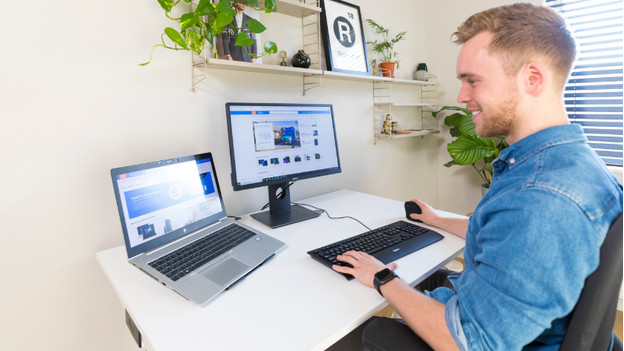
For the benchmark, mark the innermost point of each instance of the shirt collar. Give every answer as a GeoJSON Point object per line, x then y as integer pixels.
{"type": "Point", "coordinates": [525, 148]}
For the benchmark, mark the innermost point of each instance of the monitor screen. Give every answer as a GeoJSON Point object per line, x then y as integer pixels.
{"type": "Point", "coordinates": [164, 200]}
{"type": "Point", "coordinates": [275, 144]}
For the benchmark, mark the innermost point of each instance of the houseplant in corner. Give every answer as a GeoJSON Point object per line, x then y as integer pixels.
{"type": "Point", "coordinates": [385, 48]}
{"type": "Point", "coordinates": [468, 148]}
{"type": "Point", "coordinates": [206, 22]}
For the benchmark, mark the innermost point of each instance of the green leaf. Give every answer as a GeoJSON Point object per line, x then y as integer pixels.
{"type": "Point", "coordinates": [451, 108]}
{"type": "Point", "coordinates": [167, 5]}
{"type": "Point", "coordinates": [270, 47]}
{"type": "Point", "coordinates": [455, 132]}
{"type": "Point", "coordinates": [175, 37]}
{"type": "Point", "coordinates": [188, 20]}
{"type": "Point", "coordinates": [255, 26]}
{"type": "Point", "coordinates": [253, 3]}
{"type": "Point", "coordinates": [467, 150]}
{"type": "Point", "coordinates": [225, 7]}
{"type": "Point", "coordinates": [195, 40]}
{"type": "Point", "coordinates": [222, 20]}
{"type": "Point", "coordinates": [270, 6]}
{"type": "Point", "coordinates": [451, 163]}
{"type": "Point", "coordinates": [467, 126]}
{"type": "Point", "coordinates": [453, 120]}
{"type": "Point", "coordinates": [243, 39]}
{"type": "Point", "coordinates": [205, 8]}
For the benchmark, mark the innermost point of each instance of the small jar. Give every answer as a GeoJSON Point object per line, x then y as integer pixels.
{"type": "Point", "coordinates": [300, 59]}
{"type": "Point", "coordinates": [421, 72]}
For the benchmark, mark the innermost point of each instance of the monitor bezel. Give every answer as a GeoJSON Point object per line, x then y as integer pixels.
{"type": "Point", "coordinates": [287, 178]}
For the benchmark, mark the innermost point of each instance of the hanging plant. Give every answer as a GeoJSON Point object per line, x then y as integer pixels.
{"type": "Point", "coordinates": [209, 20]}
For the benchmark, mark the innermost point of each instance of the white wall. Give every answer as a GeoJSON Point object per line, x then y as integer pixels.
{"type": "Point", "coordinates": [74, 104]}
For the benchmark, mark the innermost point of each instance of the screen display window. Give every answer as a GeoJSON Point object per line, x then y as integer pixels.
{"type": "Point", "coordinates": [278, 142]}
{"type": "Point", "coordinates": [160, 200]}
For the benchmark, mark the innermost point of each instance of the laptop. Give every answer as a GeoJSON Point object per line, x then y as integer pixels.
{"type": "Point", "coordinates": [176, 230]}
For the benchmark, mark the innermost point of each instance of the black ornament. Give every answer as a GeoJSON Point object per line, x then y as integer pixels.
{"type": "Point", "coordinates": [301, 59]}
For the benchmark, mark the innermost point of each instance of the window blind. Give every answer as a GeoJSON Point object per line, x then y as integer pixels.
{"type": "Point", "coordinates": [593, 94]}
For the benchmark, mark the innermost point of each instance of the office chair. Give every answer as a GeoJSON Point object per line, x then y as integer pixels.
{"type": "Point", "coordinates": [591, 324]}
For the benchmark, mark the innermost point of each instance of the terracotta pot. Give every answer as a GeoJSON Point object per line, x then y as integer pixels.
{"type": "Point", "coordinates": [387, 69]}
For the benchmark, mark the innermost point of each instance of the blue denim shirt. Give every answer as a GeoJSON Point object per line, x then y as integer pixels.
{"type": "Point", "coordinates": [531, 242]}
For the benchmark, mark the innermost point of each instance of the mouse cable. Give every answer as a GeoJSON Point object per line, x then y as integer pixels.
{"type": "Point", "coordinates": [278, 195]}
{"type": "Point", "coordinates": [330, 217]}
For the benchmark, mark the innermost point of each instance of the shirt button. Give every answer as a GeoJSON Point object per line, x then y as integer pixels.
{"type": "Point", "coordinates": [512, 161]}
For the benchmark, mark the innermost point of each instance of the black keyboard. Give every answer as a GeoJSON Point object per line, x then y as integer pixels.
{"type": "Point", "coordinates": [186, 259]}
{"type": "Point", "coordinates": [387, 244]}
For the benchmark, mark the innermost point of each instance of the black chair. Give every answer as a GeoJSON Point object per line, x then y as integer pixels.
{"type": "Point", "coordinates": [591, 324]}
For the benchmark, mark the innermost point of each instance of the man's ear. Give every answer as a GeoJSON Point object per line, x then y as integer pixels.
{"type": "Point", "coordinates": [535, 76]}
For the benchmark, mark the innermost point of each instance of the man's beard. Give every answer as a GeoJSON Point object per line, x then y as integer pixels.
{"type": "Point", "coordinates": [500, 119]}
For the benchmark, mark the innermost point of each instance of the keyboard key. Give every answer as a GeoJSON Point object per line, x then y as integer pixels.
{"type": "Point", "coordinates": [186, 259]}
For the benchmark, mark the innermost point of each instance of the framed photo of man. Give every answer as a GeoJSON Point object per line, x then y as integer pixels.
{"type": "Point", "coordinates": [225, 43]}
{"type": "Point", "coordinates": [343, 34]}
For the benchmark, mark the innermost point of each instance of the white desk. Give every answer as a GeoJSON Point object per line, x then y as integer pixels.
{"type": "Point", "coordinates": [290, 303]}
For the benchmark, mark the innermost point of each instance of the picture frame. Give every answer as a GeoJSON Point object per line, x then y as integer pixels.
{"type": "Point", "coordinates": [224, 42]}
{"type": "Point", "coordinates": [343, 37]}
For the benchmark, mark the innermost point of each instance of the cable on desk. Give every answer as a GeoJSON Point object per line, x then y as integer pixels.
{"type": "Point", "coordinates": [330, 217]}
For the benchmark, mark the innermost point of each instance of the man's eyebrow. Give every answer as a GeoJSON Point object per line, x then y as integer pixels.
{"type": "Point", "coordinates": [465, 75]}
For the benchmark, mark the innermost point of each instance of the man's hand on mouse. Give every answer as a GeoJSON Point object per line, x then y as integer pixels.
{"type": "Point", "coordinates": [428, 215]}
{"type": "Point", "coordinates": [364, 266]}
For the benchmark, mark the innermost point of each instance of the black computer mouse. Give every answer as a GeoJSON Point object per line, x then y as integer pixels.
{"type": "Point", "coordinates": [412, 207]}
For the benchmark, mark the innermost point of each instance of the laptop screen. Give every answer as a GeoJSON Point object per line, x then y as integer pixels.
{"type": "Point", "coordinates": [162, 201]}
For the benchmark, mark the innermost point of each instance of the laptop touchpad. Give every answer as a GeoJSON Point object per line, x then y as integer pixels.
{"type": "Point", "coordinates": [225, 271]}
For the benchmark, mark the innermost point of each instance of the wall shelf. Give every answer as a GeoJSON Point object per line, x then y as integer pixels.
{"type": "Point", "coordinates": [296, 8]}
{"type": "Point", "coordinates": [422, 98]}
{"type": "Point", "coordinates": [255, 67]}
{"type": "Point", "coordinates": [412, 133]}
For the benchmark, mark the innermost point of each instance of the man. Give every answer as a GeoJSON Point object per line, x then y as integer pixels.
{"type": "Point", "coordinates": [536, 235]}
{"type": "Point", "coordinates": [232, 51]}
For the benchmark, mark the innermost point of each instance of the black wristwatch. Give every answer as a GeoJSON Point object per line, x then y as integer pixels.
{"type": "Point", "coordinates": [382, 277]}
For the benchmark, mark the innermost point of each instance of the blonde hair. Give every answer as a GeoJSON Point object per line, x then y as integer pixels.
{"type": "Point", "coordinates": [522, 32]}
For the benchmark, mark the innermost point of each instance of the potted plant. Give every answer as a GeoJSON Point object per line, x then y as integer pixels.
{"type": "Point", "coordinates": [468, 148]}
{"type": "Point", "coordinates": [385, 48]}
{"type": "Point", "coordinates": [206, 22]}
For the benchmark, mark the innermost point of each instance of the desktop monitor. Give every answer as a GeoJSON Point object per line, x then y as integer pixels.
{"type": "Point", "coordinates": [276, 144]}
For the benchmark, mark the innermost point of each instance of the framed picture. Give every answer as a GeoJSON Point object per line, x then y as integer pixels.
{"type": "Point", "coordinates": [343, 34]}
{"type": "Point", "coordinates": [225, 41]}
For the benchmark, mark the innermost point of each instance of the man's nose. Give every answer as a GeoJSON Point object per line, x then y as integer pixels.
{"type": "Point", "coordinates": [463, 97]}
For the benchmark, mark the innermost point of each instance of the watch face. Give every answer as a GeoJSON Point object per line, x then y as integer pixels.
{"type": "Point", "coordinates": [384, 274]}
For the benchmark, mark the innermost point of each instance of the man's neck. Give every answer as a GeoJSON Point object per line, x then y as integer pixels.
{"type": "Point", "coordinates": [538, 117]}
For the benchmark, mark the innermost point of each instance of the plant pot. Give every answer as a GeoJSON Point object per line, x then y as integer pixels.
{"type": "Point", "coordinates": [484, 189]}
{"type": "Point", "coordinates": [387, 69]}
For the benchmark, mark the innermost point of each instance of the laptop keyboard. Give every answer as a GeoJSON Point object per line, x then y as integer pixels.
{"type": "Point", "coordinates": [183, 261]}
{"type": "Point", "coordinates": [387, 243]}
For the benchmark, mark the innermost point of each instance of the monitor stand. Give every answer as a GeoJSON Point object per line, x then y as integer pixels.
{"type": "Point", "coordinates": [281, 212]}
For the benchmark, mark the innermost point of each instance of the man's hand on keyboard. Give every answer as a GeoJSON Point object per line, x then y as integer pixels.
{"type": "Point", "coordinates": [364, 266]}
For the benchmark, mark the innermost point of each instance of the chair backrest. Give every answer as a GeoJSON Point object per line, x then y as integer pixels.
{"type": "Point", "coordinates": [591, 325]}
